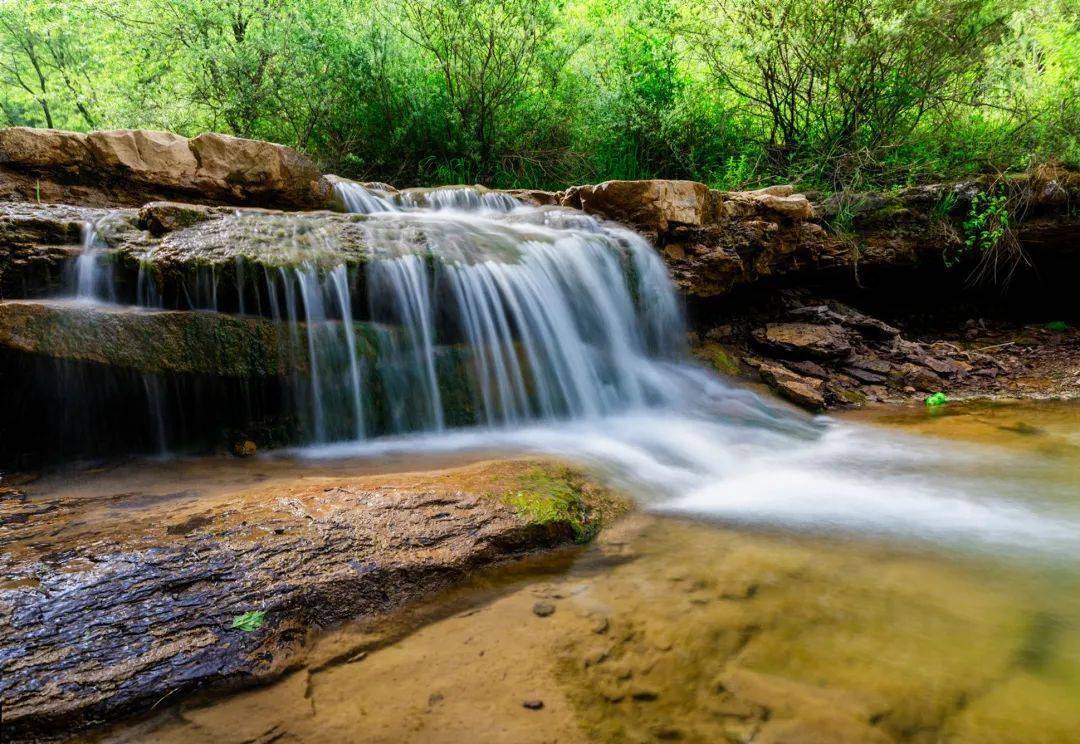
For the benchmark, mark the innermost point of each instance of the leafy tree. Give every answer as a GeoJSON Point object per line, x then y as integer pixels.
{"type": "Point", "coordinates": [837, 82]}
{"type": "Point", "coordinates": [43, 58]}
{"type": "Point", "coordinates": [831, 93]}
{"type": "Point", "coordinates": [486, 51]}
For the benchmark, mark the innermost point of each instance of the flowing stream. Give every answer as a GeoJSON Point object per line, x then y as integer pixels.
{"type": "Point", "coordinates": [792, 578]}
{"type": "Point", "coordinates": [695, 630]}
{"type": "Point", "coordinates": [475, 322]}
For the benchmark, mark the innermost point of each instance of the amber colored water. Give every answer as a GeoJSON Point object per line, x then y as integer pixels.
{"type": "Point", "coordinates": [677, 629]}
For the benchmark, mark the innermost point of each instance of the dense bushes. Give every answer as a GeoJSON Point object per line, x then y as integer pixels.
{"type": "Point", "coordinates": [829, 93]}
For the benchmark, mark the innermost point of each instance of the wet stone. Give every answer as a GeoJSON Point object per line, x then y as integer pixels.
{"type": "Point", "coordinates": [543, 609]}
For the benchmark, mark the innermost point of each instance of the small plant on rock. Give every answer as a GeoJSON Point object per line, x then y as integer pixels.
{"type": "Point", "coordinates": [989, 238]}
{"type": "Point", "coordinates": [987, 223]}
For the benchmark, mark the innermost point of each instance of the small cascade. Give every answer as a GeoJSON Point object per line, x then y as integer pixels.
{"type": "Point", "coordinates": [364, 200]}
{"type": "Point", "coordinates": [324, 349]}
{"type": "Point", "coordinates": [91, 278]}
{"type": "Point", "coordinates": [420, 312]}
{"type": "Point", "coordinates": [360, 200]}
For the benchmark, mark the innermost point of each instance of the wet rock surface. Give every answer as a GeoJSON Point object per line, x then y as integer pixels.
{"type": "Point", "coordinates": [677, 631]}
{"type": "Point", "coordinates": [821, 353]}
{"type": "Point", "coordinates": [158, 341]}
{"type": "Point", "coordinates": [103, 616]}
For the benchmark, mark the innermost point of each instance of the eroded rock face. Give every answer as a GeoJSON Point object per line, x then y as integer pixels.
{"type": "Point", "coordinates": [35, 241]}
{"type": "Point", "coordinates": [653, 206]}
{"type": "Point", "coordinates": [715, 242]}
{"type": "Point", "coordinates": [130, 167]}
{"type": "Point", "coordinates": [105, 616]}
{"type": "Point", "coordinates": [169, 239]}
{"type": "Point", "coordinates": [158, 341]}
{"type": "Point", "coordinates": [825, 354]}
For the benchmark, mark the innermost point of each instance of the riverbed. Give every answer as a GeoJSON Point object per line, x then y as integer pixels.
{"type": "Point", "coordinates": [679, 625]}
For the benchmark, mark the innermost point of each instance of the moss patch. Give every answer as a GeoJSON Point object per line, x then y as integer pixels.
{"type": "Point", "coordinates": [720, 357]}
{"type": "Point", "coordinates": [550, 494]}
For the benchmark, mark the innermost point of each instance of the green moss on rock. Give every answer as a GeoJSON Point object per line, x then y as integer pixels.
{"type": "Point", "coordinates": [550, 494]}
{"type": "Point", "coordinates": [158, 341]}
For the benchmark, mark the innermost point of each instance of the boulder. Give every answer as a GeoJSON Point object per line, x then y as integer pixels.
{"type": "Point", "coordinates": [162, 159]}
{"type": "Point", "coordinates": [252, 171]}
{"type": "Point", "coordinates": [793, 207]}
{"type": "Point", "coordinates": [652, 205]}
{"type": "Point", "coordinates": [805, 340]}
{"type": "Point", "coordinates": [127, 167]}
{"type": "Point", "coordinates": [40, 148]}
{"type": "Point", "coordinates": [165, 217]}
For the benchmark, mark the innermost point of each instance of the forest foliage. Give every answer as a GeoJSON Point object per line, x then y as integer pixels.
{"type": "Point", "coordinates": [545, 93]}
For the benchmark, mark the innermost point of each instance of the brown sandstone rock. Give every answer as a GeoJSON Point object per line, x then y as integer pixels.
{"type": "Point", "coordinates": [802, 391]}
{"type": "Point", "coordinates": [113, 602]}
{"type": "Point", "coordinates": [35, 148]}
{"type": "Point", "coordinates": [160, 158]}
{"type": "Point", "coordinates": [130, 167]}
{"type": "Point", "coordinates": [653, 205]}
{"type": "Point", "coordinates": [805, 339]}
{"type": "Point", "coordinates": [253, 171]}
{"type": "Point", "coordinates": [795, 207]}
{"type": "Point", "coordinates": [918, 377]}
{"type": "Point", "coordinates": [165, 217]}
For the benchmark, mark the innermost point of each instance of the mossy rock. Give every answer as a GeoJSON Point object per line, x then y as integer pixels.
{"type": "Point", "coordinates": [721, 358]}
{"type": "Point", "coordinates": [162, 341]}
{"type": "Point", "coordinates": [552, 495]}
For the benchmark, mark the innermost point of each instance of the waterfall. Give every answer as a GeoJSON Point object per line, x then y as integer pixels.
{"type": "Point", "coordinates": [91, 277]}
{"type": "Point", "coordinates": [555, 314]}
{"type": "Point", "coordinates": [461, 319]}
{"type": "Point", "coordinates": [466, 308]}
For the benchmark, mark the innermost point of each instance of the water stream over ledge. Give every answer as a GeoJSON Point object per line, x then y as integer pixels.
{"type": "Point", "coordinates": [792, 576]}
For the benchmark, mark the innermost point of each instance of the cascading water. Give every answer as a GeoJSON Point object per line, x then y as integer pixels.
{"type": "Point", "coordinates": [479, 310]}
{"type": "Point", "coordinates": [570, 320]}
{"type": "Point", "coordinates": [472, 321]}
{"type": "Point", "coordinates": [91, 279]}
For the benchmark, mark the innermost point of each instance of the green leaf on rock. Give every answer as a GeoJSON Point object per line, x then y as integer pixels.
{"type": "Point", "coordinates": [249, 621]}
{"type": "Point", "coordinates": [937, 399]}
{"type": "Point", "coordinates": [1057, 325]}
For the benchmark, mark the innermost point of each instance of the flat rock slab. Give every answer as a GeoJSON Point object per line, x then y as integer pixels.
{"type": "Point", "coordinates": [805, 339]}
{"type": "Point", "coordinates": [105, 616]}
{"type": "Point", "coordinates": [154, 341]}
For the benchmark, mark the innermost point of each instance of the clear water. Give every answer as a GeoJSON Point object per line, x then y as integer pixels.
{"type": "Point", "coordinates": [90, 278]}
{"type": "Point", "coordinates": [686, 629]}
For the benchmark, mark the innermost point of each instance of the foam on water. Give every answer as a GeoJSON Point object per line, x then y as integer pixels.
{"type": "Point", "coordinates": [679, 438]}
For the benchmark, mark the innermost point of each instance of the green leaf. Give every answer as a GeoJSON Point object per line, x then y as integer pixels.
{"type": "Point", "coordinates": [1057, 325]}
{"type": "Point", "coordinates": [937, 399]}
{"type": "Point", "coordinates": [249, 621]}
